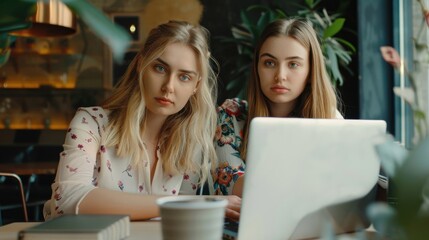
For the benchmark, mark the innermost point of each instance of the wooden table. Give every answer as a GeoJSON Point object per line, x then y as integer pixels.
{"type": "Point", "coordinates": [139, 230]}
{"type": "Point", "coordinates": [29, 168]}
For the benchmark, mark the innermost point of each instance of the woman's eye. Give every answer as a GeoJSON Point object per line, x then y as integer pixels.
{"type": "Point", "coordinates": [184, 77]}
{"type": "Point", "coordinates": [159, 68]}
{"type": "Point", "coordinates": [269, 63]}
{"type": "Point", "coordinates": [293, 65]}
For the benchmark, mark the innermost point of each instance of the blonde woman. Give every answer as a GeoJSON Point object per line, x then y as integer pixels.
{"type": "Point", "coordinates": [153, 136]}
{"type": "Point", "coordinates": [289, 80]}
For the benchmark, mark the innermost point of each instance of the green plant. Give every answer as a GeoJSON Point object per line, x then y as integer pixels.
{"type": "Point", "coordinates": [408, 170]}
{"type": "Point", "coordinates": [15, 14]}
{"type": "Point", "coordinates": [245, 35]}
{"type": "Point", "coordinates": [408, 173]}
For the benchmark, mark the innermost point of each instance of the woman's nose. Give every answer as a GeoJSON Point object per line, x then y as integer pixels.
{"type": "Point", "coordinates": [281, 74]}
{"type": "Point", "coordinates": [168, 85]}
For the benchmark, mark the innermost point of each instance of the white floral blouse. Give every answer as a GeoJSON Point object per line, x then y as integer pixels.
{"type": "Point", "coordinates": [86, 164]}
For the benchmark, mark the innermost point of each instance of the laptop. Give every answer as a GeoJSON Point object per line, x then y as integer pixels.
{"type": "Point", "coordinates": [306, 178]}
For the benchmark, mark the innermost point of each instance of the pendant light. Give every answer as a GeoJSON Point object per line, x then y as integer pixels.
{"type": "Point", "coordinates": [52, 19]}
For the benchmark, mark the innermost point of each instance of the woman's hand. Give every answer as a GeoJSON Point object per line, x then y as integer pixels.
{"type": "Point", "coordinates": [233, 208]}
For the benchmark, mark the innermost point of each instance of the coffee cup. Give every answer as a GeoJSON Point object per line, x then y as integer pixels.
{"type": "Point", "coordinates": [192, 217]}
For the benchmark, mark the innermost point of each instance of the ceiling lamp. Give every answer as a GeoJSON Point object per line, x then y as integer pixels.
{"type": "Point", "coordinates": [52, 19]}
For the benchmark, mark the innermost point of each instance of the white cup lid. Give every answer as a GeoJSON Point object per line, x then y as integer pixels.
{"type": "Point", "coordinates": [191, 202]}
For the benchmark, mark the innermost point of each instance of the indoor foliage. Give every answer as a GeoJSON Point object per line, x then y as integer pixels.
{"type": "Point", "coordinates": [408, 170]}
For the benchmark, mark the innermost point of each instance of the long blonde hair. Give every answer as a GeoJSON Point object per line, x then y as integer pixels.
{"type": "Point", "coordinates": [318, 100]}
{"type": "Point", "coordinates": [186, 135]}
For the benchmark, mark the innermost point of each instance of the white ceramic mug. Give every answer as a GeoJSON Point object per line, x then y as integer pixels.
{"type": "Point", "coordinates": [192, 217]}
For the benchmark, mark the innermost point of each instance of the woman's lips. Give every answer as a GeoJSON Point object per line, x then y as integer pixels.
{"type": "Point", "coordinates": [163, 101]}
{"type": "Point", "coordinates": [279, 89]}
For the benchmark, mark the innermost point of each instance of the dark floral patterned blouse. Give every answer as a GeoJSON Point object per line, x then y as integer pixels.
{"type": "Point", "coordinates": [232, 116]}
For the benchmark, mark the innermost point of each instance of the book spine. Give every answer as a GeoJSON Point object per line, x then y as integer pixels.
{"type": "Point", "coordinates": [21, 235]}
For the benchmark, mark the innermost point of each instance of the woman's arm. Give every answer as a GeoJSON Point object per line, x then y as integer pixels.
{"type": "Point", "coordinates": [75, 173]}
{"type": "Point", "coordinates": [238, 187]}
{"type": "Point", "coordinates": [137, 206]}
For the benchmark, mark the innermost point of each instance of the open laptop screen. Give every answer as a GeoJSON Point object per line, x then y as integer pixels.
{"type": "Point", "coordinates": [304, 173]}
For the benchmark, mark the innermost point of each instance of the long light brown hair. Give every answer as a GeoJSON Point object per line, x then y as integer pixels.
{"type": "Point", "coordinates": [187, 136]}
{"type": "Point", "coordinates": [318, 100]}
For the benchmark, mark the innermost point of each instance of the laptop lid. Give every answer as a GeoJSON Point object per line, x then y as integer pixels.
{"type": "Point", "coordinates": [302, 174]}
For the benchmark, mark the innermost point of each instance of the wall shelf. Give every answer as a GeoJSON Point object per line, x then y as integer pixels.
{"type": "Point", "coordinates": [44, 91]}
{"type": "Point", "coordinates": [44, 108]}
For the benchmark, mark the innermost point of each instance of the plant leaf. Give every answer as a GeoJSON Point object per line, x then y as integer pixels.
{"type": "Point", "coordinates": [6, 40]}
{"type": "Point", "coordinates": [309, 3]}
{"type": "Point", "coordinates": [405, 93]}
{"type": "Point", "coordinates": [238, 33]}
{"type": "Point", "coordinates": [419, 114]}
{"type": "Point", "coordinates": [410, 179]}
{"type": "Point", "coordinates": [384, 219]}
{"type": "Point", "coordinates": [4, 56]}
{"type": "Point", "coordinates": [325, 14]}
{"type": "Point", "coordinates": [260, 7]}
{"type": "Point", "coordinates": [280, 14]}
{"type": "Point", "coordinates": [246, 23]}
{"type": "Point", "coordinates": [333, 65]}
{"type": "Point", "coordinates": [334, 28]}
{"type": "Point", "coordinates": [318, 20]}
{"type": "Point", "coordinates": [343, 56]}
{"type": "Point", "coordinates": [347, 43]}
{"type": "Point", "coordinates": [114, 36]}
{"type": "Point", "coordinates": [15, 14]}
{"type": "Point", "coordinates": [391, 154]}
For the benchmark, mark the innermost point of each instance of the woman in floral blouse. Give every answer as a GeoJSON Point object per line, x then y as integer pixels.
{"type": "Point", "coordinates": [153, 136]}
{"type": "Point", "coordinates": [289, 80]}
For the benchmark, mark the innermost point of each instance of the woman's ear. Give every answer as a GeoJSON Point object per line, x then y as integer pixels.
{"type": "Point", "coordinates": [198, 85]}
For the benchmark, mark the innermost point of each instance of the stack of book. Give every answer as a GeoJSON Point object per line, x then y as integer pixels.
{"type": "Point", "coordinates": [79, 227]}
